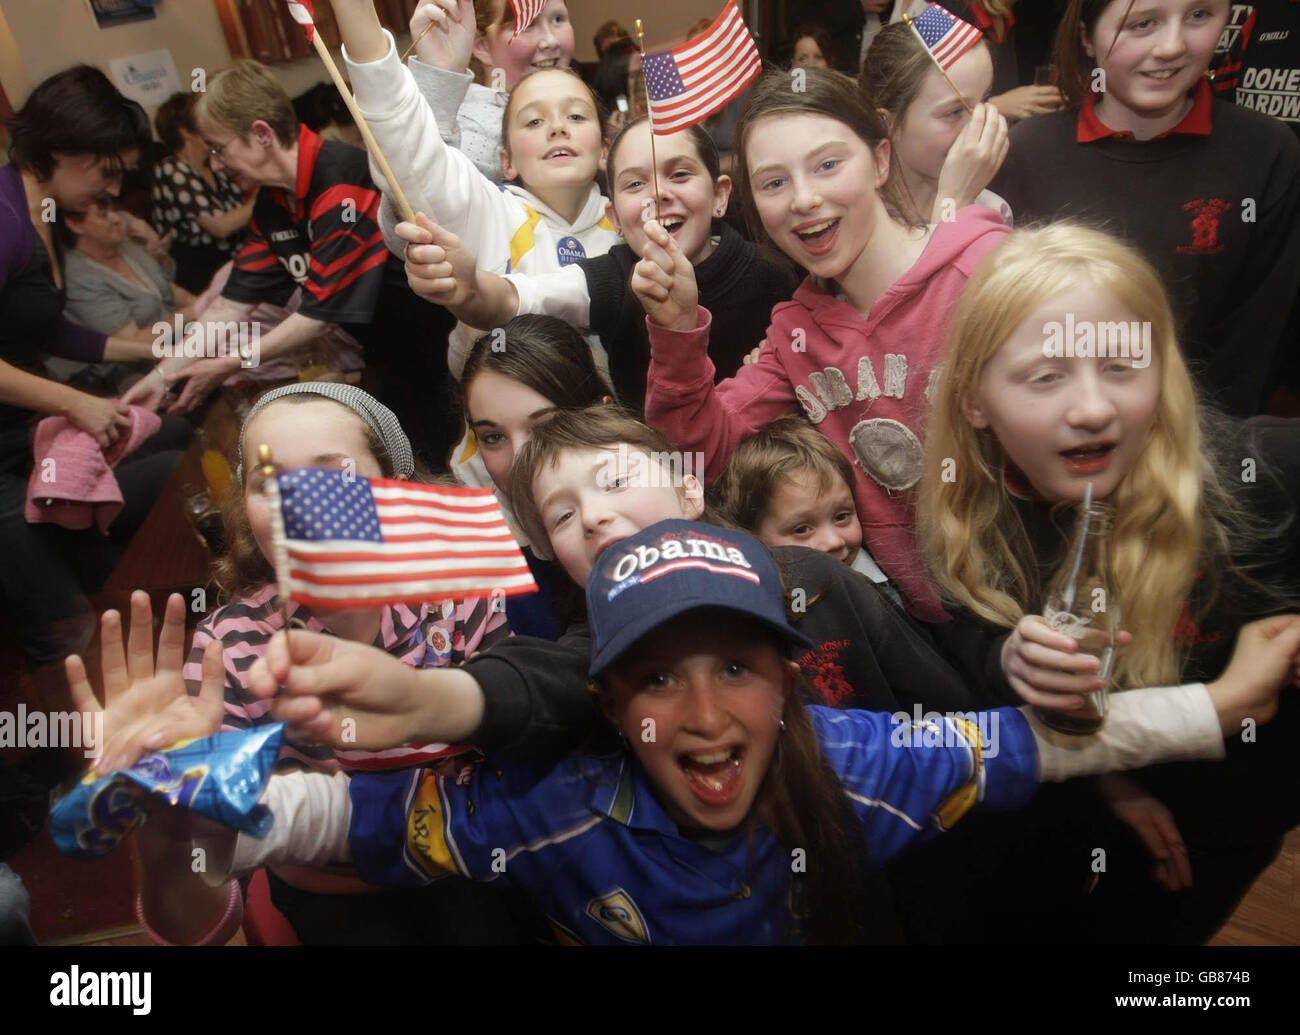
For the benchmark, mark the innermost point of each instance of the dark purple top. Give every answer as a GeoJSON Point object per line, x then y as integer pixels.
{"type": "Point", "coordinates": [31, 305]}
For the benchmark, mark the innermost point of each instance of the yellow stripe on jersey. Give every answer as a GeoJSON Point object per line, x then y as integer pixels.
{"type": "Point", "coordinates": [471, 447]}
{"type": "Point", "coordinates": [522, 243]}
{"type": "Point", "coordinates": [963, 799]}
{"type": "Point", "coordinates": [605, 224]}
{"type": "Point", "coordinates": [426, 830]}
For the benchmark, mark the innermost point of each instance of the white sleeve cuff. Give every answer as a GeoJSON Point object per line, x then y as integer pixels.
{"type": "Point", "coordinates": [562, 293]}
{"type": "Point", "coordinates": [1144, 727]}
{"type": "Point", "coordinates": [312, 814]}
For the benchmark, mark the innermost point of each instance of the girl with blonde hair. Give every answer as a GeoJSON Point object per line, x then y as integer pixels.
{"type": "Point", "coordinates": [1063, 369]}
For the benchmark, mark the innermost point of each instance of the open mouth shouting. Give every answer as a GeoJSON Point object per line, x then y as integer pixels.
{"type": "Point", "coordinates": [818, 238]}
{"type": "Point", "coordinates": [715, 777]}
{"type": "Point", "coordinates": [1092, 458]}
{"type": "Point", "coordinates": [672, 223]}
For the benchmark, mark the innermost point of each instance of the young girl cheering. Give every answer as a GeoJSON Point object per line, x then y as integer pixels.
{"type": "Point", "coordinates": [468, 55]}
{"type": "Point", "coordinates": [687, 835]}
{"type": "Point", "coordinates": [859, 343]}
{"type": "Point", "coordinates": [551, 212]}
{"type": "Point", "coordinates": [320, 424]}
{"type": "Point", "coordinates": [1022, 431]}
{"type": "Point", "coordinates": [737, 282]}
{"type": "Point", "coordinates": [1209, 192]}
{"type": "Point", "coordinates": [947, 141]}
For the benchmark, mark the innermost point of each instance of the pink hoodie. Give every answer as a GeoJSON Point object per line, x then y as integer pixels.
{"type": "Point", "coordinates": [864, 382]}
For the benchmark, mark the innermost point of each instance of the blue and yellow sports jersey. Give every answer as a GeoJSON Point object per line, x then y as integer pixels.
{"type": "Point", "coordinates": [589, 842]}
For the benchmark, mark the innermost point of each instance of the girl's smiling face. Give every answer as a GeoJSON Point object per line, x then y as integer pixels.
{"type": "Point", "coordinates": [554, 133]}
{"type": "Point", "coordinates": [589, 499]}
{"type": "Point", "coordinates": [320, 433]}
{"type": "Point", "coordinates": [502, 412]}
{"type": "Point", "coordinates": [546, 43]}
{"type": "Point", "coordinates": [1067, 421]}
{"type": "Point", "coordinates": [712, 687]}
{"type": "Point", "coordinates": [815, 185]}
{"type": "Point", "coordinates": [936, 117]}
{"type": "Point", "coordinates": [1155, 56]}
{"type": "Point", "coordinates": [689, 198]}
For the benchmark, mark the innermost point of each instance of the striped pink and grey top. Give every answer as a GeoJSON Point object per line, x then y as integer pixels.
{"type": "Point", "coordinates": [431, 636]}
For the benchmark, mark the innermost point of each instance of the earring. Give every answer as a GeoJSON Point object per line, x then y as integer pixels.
{"type": "Point", "coordinates": [781, 727]}
{"type": "Point", "coordinates": [717, 212]}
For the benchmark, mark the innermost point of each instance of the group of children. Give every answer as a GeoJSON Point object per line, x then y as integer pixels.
{"type": "Point", "coordinates": [692, 735]}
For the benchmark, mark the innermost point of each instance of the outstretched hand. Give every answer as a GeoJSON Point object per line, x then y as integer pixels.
{"type": "Point", "coordinates": [443, 31]}
{"type": "Point", "coordinates": [664, 281]}
{"type": "Point", "coordinates": [146, 706]}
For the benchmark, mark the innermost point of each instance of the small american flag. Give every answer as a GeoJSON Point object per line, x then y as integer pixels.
{"type": "Point", "coordinates": [526, 12]}
{"type": "Point", "coordinates": [690, 82]}
{"type": "Point", "coordinates": [346, 541]}
{"type": "Point", "coordinates": [945, 35]}
{"type": "Point", "coordinates": [300, 11]}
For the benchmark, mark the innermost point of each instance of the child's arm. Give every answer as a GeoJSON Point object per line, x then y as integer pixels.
{"type": "Point", "coordinates": [145, 708]}
{"type": "Point", "coordinates": [437, 179]}
{"type": "Point", "coordinates": [441, 269]}
{"type": "Point", "coordinates": [681, 398]}
{"type": "Point", "coordinates": [524, 696]}
{"type": "Point", "coordinates": [930, 774]}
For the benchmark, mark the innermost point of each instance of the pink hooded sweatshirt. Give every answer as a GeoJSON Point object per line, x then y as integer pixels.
{"type": "Point", "coordinates": [864, 382]}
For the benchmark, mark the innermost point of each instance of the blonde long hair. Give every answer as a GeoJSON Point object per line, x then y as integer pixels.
{"type": "Point", "coordinates": [1170, 508]}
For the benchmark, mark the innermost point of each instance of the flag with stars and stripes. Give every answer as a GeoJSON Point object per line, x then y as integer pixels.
{"type": "Point", "coordinates": [690, 82]}
{"type": "Point", "coordinates": [526, 12]}
{"type": "Point", "coordinates": [300, 11]}
{"type": "Point", "coordinates": [945, 35]}
{"type": "Point", "coordinates": [341, 540]}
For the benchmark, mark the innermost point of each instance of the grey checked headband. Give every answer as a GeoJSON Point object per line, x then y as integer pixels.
{"type": "Point", "coordinates": [378, 417]}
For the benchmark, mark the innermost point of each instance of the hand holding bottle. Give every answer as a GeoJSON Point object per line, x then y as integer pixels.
{"type": "Point", "coordinates": [1046, 668]}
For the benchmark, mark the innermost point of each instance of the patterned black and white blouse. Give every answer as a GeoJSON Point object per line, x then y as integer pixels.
{"type": "Point", "coordinates": [181, 195]}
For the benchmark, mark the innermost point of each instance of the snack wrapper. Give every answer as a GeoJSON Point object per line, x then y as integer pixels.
{"type": "Point", "coordinates": [220, 777]}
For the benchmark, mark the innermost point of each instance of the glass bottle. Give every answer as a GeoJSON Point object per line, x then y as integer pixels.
{"type": "Point", "coordinates": [1083, 602]}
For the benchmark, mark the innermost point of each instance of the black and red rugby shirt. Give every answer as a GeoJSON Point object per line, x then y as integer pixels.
{"type": "Point", "coordinates": [324, 238]}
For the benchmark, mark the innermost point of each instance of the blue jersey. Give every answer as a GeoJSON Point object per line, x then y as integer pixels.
{"type": "Point", "coordinates": [590, 843]}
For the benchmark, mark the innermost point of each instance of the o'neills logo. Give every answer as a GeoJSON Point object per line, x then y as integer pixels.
{"type": "Point", "coordinates": [676, 555]}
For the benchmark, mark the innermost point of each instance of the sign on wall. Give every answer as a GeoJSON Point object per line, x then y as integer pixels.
{"type": "Point", "coordinates": [148, 78]}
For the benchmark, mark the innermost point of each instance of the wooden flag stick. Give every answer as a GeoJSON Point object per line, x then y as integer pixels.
{"type": "Point", "coordinates": [403, 205]}
{"type": "Point", "coordinates": [280, 560]}
{"type": "Point", "coordinates": [407, 52]}
{"type": "Point", "coordinates": [969, 110]}
{"type": "Point", "coordinates": [650, 114]}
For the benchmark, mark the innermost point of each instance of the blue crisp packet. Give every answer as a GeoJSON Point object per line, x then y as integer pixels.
{"type": "Point", "coordinates": [220, 777]}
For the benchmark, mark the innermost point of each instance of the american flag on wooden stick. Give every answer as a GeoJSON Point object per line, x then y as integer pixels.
{"type": "Point", "coordinates": [526, 12]}
{"type": "Point", "coordinates": [300, 11]}
{"type": "Point", "coordinates": [945, 35]}
{"type": "Point", "coordinates": [689, 83]}
{"type": "Point", "coordinates": [341, 540]}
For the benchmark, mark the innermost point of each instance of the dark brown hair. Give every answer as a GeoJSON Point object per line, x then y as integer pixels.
{"type": "Point", "coordinates": [818, 35]}
{"type": "Point", "coordinates": [768, 457]}
{"type": "Point", "coordinates": [543, 353]}
{"type": "Point", "coordinates": [826, 92]}
{"type": "Point", "coordinates": [173, 115]}
{"type": "Point", "coordinates": [75, 112]}
{"type": "Point", "coordinates": [1072, 61]}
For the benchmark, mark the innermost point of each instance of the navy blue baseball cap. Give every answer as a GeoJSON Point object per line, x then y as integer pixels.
{"type": "Point", "coordinates": [672, 567]}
